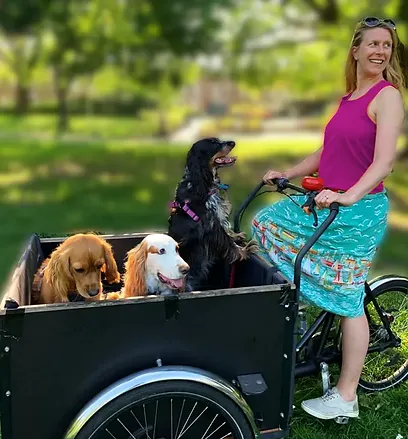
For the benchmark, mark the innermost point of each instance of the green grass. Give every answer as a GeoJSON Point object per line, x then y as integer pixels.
{"type": "Point", "coordinates": [382, 415]}
{"type": "Point", "coordinates": [145, 124]}
{"type": "Point", "coordinates": [57, 188]}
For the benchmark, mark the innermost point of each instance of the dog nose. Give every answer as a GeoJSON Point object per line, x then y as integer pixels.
{"type": "Point", "coordinates": [93, 291]}
{"type": "Point", "coordinates": [230, 143]}
{"type": "Point", "coordinates": [184, 269]}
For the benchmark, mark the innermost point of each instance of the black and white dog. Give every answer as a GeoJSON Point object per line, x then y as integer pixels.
{"type": "Point", "coordinates": [199, 219]}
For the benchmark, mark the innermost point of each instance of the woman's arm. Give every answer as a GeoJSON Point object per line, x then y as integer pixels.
{"type": "Point", "coordinates": [308, 166]}
{"type": "Point", "coordinates": [390, 119]}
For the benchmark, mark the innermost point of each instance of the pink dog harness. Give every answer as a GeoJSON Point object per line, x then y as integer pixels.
{"type": "Point", "coordinates": [189, 212]}
{"type": "Point", "coordinates": [185, 206]}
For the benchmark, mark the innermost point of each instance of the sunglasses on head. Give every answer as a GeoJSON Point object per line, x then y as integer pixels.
{"type": "Point", "coordinates": [374, 21]}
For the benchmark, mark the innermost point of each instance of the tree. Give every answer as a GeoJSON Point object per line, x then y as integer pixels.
{"type": "Point", "coordinates": [83, 35]}
{"type": "Point", "coordinates": [302, 42]}
{"type": "Point", "coordinates": [20, 22]}
{"type": "Point", "coordinates": [160, 41]}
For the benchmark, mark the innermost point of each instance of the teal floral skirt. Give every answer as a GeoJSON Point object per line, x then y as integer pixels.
{"type": "Point", "coordinates": [336, 267]}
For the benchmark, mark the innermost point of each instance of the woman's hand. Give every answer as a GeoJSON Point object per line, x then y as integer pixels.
{"type": "Point", "coordinates": [271, 175]}
{"type": "Point", "coordinates": [326, 197]}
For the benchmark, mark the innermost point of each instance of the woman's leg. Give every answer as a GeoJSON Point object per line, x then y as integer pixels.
{"type": "Point", "coordinates": [355, 344]}
{"type": "Point", "coordinates": [342, 400]}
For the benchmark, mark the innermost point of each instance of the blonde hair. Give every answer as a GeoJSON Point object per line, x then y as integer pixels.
{"type": "Point", "coordinates": [393, 72]}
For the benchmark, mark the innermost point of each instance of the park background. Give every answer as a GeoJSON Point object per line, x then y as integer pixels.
{"type": "Point", "coordinates": [101, 99]}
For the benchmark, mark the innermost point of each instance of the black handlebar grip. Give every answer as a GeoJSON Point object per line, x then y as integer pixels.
{"type": "Point", "coordinates": [334, 207]}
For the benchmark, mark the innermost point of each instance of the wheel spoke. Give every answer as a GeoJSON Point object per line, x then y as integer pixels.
{"type": "Point", "coordinates": [386, 367]}
{"type": "Point", "coordinates": [155, 420]}
{"type": "Point", "coordinates": [124, 426]}
{"type": "Point", "coordinates": [184, 413]}
{"type": "Point", "coordinates": [145, 418]}
{"type": "Point", "coordinates": [195, 420]}
{"type": "Point", "coordinates": [141, 426]}
{"type": "Point", "coordinates": [179, 420]}
{"type": "Point", "coordinates": [220, 426]}
{"type": "Point", "coordinates": [212, 422]}
{"type": "Point", "coordinates": [171, 417]}
{"type": "Point", "coordinates": [107, 431]}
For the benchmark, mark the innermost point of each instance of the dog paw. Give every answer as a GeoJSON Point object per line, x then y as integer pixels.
{"type": "Point", "coordinates": [111, 296]}
{"type": "Point", "coordinates": [252, 247]}
{"type": "Point", "coordinates": [242, 253]}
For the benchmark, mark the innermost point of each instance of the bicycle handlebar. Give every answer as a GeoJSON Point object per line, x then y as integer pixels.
{"type": "Point", "coordinates": [282, 184]}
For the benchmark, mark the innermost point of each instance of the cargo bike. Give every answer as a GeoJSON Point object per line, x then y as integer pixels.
{"type": "Point", "coordinates": [218, 363]}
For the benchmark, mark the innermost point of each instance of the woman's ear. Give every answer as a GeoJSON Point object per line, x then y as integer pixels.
{"type": "Point", "coordinates": [135, 267]}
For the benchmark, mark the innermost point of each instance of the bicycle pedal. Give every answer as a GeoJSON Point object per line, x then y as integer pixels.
{"type": "Point", "coordinates": [343, 420]}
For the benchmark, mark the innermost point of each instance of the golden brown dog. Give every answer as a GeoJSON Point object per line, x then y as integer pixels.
{"type": "Point", "coordinates": [75, 267]}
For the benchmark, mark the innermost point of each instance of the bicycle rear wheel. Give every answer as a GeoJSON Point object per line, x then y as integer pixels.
{"type": "Point", "coordinates": [387, 367]}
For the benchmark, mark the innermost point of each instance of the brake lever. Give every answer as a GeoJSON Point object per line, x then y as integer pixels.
{"type": "Point", "coordinates": [309, 207]}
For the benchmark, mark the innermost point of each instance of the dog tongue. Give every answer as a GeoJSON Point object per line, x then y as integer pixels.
{"type": "Point", "coordinates": [177, 283]}
{"type": "Point", "coordinates": [225, 159]}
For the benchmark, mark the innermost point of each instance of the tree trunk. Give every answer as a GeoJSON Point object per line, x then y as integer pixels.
{"type": "Point", "coordinates": [61, 90]}
{"type": "Point", "coordinates": [163, 128]}
{"type": "Point", "coordinates": [63, 117]}
{"type": "Point", "coordinates": [22, 99]}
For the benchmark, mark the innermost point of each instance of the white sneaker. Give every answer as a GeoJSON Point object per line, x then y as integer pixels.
{"type": "Point", "coordinates": [331, 405]}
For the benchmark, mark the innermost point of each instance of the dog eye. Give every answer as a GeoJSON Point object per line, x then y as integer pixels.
{"type": "Point", "coordinates": [99, 266]}
{"type": "Point", "coordinates": [162, 251]}
{"type": "Point", "coordinates": [79, 270]}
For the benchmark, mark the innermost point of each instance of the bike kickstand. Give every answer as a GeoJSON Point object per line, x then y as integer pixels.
{"type": "Point", "coordinates": [324, 369]}
{"type": "Point", "coordinates": [342, 420]}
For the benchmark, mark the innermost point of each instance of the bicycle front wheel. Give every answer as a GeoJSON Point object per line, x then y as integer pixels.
{"type": "Point", "coordinates": [386, 367]}
{"type": "Point", "coordinates": [169, 410]}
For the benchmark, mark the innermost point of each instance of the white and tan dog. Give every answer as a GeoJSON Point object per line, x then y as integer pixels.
{"type": "Point", "coordinates": [154, 267]}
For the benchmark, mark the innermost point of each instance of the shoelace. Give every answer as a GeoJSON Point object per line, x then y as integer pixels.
{"type": "Point", "coordinates": [329, 395]}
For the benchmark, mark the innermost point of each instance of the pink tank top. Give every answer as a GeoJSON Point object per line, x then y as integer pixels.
{"type": "Point", "coordinates": [349, 142]}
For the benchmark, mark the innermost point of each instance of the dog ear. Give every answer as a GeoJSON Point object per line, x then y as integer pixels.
{"type": "Point", "coordinates": [111, 268]}
{"type": "Point", "coordinates": [57, 273]}
{"type": "Point", "coordinates": [135, 266]}
{"type": "Point", "coordinates": [199, 174]}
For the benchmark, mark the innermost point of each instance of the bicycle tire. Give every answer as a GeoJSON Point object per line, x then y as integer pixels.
{"type": "Point", "coordinates": [400, 375]}
{"type": "Point", "coordinates": [96, 427]}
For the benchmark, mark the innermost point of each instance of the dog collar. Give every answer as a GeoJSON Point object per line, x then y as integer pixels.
{"type": "Point", "coordinates": [223, 186]}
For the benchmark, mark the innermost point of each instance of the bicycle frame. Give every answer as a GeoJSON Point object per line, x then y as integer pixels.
{"type": "Point", "coordinates": [325, 319]}
{"type": "Point", "coordinates": [311, 364]}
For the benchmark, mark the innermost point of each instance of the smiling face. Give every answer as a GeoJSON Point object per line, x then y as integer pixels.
{"type": "Point", "coordinates": [211, 151]}
{"type": "Point", "coordinates": [164, 263]}
{"type": "Point", "coordinates": [374, 53]}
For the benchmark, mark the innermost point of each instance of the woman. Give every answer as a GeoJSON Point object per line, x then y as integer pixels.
{"type": "Point", "coordinates": [358, 153]}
